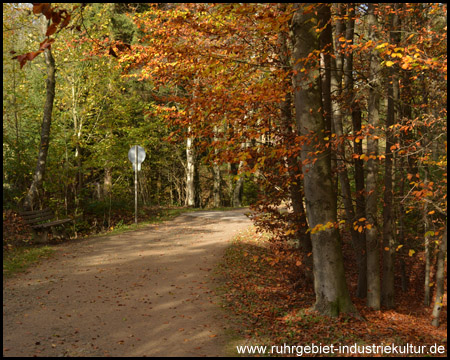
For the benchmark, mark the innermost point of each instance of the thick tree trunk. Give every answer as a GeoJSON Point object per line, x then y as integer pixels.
{"type": "Point", "coordinates": [38, 177]}
{"type": "Point", "coordinates": [332, 296]}
{"type": "Point", "coordinates": [335, 88]}
{"type": "Point", "coordinates": [373, 257]}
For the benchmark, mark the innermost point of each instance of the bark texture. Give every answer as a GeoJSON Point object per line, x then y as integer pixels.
{"type": "Point", "coordinates": [32, 196]}
{"type": "Point", "coordinates": [332, 296]}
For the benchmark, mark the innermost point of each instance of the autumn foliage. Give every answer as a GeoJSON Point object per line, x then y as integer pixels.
{"type": "Point", "coordinates": [362, 99]}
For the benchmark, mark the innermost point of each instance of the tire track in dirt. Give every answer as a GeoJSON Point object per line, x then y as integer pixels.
{"type": "Point", "coordinates": [141, 293]}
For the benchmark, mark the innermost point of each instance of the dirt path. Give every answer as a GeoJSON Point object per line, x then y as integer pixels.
{"type": "Point", "coordinates": [141, 293]}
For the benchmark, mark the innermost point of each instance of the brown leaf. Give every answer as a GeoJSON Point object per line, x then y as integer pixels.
{"type": "Point", "coordinates": [66, 21]}
{"type": "Point", "coordinates": [51, 29]}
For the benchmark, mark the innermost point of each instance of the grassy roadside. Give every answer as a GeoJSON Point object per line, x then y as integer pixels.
{"type": "Point", "coordinates": [19, 258]}
{"type": "Point", "coordinates": [265, 309]}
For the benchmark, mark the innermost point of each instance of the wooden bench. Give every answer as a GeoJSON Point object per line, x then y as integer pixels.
{"type": "Point", "coordinates": [41, 221]}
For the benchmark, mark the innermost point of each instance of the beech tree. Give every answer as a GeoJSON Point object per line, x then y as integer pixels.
{"type": "Point", "coordinates": [335, 114]}
{"type": "Point", "coordinates": [332, 296]}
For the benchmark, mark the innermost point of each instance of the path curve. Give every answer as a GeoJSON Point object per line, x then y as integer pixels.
{"type": "Point", "coordinates": [142, 293]}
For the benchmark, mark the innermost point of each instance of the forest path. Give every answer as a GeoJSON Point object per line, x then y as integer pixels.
{"type": "Point", "coordinates": [142, 293]}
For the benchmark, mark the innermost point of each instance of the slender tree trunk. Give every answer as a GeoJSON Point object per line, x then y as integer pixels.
{"type": "Point", "coordinates": [353, 104]}
{"type": "Point", "coordinates": [389, 246]}
{"type": "Point", "coordinates": [373, 257]}
{"type": "Point", "coordinates": [332, 296]}
{"type": "Point", "coordinates": [38, 177]}
{"type": "Point", "coordinates": [217, 188]}
{"type": "Point", "coordinates": [426, 223]}
{"type": "Point", "coordinates": [401, 255]}
{"type": "Point", "coordinates": [217, 193]}
{"type": "Point", "coordinates": [440, 279]}
{"type": "Point", "coordinates": [387, 297]}
{"type": "Point", "coordinates": [77, 125]}
{"type": "Point", "coordinates": [190, 171]}
{"type": "Point", "coordinates": [237, 191]}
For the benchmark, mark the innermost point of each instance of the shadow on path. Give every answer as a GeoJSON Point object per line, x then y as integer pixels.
{"type": "Point", "coordinates": [141, 293]}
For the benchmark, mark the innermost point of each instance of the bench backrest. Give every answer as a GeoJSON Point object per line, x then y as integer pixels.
{"type": "Point", "coordinates": [37, 216]}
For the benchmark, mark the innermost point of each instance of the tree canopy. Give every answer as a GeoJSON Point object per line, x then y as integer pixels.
{"type": "Point", "coordinates": [325, 119]}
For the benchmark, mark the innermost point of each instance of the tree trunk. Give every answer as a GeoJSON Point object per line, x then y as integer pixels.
{"type": "Point", "coordinates": [332, 296]}
{"type": "Point", "coordinates": [373, 257]}
{"type": "Point", "coordinates": [217, 189]}
{"type": "Point", "coordinates": [294, 168]}
{"type": "Point", "coordinates": [217, 178]}
{"type": "Point", "coordinates": [38, 177]}
{"type": "Point", "coordinates": [427, 296]}
{"type": "Point", "coordinates": [237, 191]}
{"type": "Point", "coordinates": [190, 171]}
{"type": "Point", "coordinates": [353, 104]}
{"type": "Point", "coordinates": [440, 279]}
{"type": "Point", "coordinates": [389, 246]}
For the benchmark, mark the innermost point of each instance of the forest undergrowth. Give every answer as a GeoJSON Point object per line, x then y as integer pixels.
{"type": "Point", "coordinates": [261, 290]}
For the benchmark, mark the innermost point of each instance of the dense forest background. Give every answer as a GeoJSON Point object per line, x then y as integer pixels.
{"type": "Point", "coordinates": [325, 118]}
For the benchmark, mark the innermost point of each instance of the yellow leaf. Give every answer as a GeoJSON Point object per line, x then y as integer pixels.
{"type": "Point", "coordinates": [357, 140]}
{"type": "Point", "coordinates": [389, 63]}
{"type": "Point", "coordinates": [369, 226]}
{"type": "Point", "coordinates": [411, 252]}
{"type": "Point", "coordinates": [381, 46]}
{"type": "Point", "coordinates": [399, 247]}
{"type": "Point", "coordinates": [431, 212]}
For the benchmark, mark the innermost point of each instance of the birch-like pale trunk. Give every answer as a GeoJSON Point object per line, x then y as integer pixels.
{"type": "Point", "coordinates": [373, 245]}
{"type": "Point", "coordinates": [190, 171]}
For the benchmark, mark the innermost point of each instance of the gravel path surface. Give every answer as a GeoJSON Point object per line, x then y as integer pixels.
{"type": "Point", "coordinates": [142, 293]}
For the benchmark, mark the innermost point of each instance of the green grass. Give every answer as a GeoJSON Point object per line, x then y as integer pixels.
{"type": "Point", "coordinates": [19, 259]}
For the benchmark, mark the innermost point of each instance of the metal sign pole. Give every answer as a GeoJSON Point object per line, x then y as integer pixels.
{"type": "Point", "coordinates": [135, 185]}
{"type": "Point", "coordinates": [136, 161]}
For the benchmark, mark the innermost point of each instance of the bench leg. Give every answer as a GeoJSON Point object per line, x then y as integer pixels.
{"type": "Point", "coordinates": [40, 237]}
{"type": "Point", "coordinates": [59, 233]}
